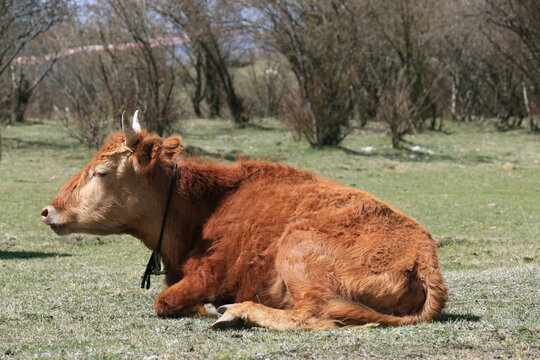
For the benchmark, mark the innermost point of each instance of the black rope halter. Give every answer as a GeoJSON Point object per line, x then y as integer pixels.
{"type": "Point", "coordinates": [154, 264]}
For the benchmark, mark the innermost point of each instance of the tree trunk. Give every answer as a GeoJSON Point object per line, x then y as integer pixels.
{"type": "Point", "coordinates": [212, 90]}
{"type": "Point", "coordinates": [20, 100]}
{"type": "Point", "coordinates": [196, 102]}
{"type": "Point", "coordinates": [237, 109]}
{"type": "Point", "coordinates": [396, 138]}
{"type": "Point", "coordinates": [198, 94]}
{"type": "Point", "coordinates": [453, 106]}
{"type": "Point", "coordinates": [433, 117]}
{"type": "Point", "coordinates": [532, 122]}
{"type": "Point", "coordinates": [395, 133]}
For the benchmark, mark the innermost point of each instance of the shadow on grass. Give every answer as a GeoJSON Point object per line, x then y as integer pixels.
{"type": "Point", "coordinates": [11, 255]}
{"type": "Point", "coordinates": [262, 127]}
{"type": "Point", "coordinates": [17, 143]}
{"type": "Point", "coordinates": [27, 122]}
{"type": "Point", "coordinates": [195, 152]}
{"type": "Point", "coordinates": [443, 318]}
{"type": "Point", "coordinates": [404, 154]}
{"type": "Point", "coordinates": [209, 133]}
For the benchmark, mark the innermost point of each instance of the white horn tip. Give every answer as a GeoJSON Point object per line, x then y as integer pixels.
{"type": "Point", "coordinates": [136, 124]}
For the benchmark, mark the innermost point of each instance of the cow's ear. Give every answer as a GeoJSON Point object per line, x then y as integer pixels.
{"type": "Point", "coordinates": [172, 147]}
{"type": "Point", "coordinates": [148, 152]}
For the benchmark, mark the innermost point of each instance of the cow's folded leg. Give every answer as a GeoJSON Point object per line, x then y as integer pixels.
{"type": "Point", "coordinates": [252, 314]}
{"type": "Point", "coordinates": [185, 298]}
{"type": "Point", "coordinates": [198, 310]}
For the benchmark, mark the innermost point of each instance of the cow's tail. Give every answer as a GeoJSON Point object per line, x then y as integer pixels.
{"type": "Point", "coordinates": [346, 312]}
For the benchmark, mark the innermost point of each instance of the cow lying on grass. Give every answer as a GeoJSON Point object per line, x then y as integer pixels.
{"type": "Point", "coordinates": [291, 250]}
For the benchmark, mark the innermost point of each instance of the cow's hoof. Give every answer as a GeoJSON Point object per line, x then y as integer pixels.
{"type": "Point", "coordinates": [162, 309]}
{"type": "Point", "coordinates": [224, 308]}
{"type": "Point", "coordinates": [228, 321]}
{"type": "Point", "coordinates": [211, 311]}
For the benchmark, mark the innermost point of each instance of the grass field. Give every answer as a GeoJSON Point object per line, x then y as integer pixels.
{"type": "Point", "coordinates": [477, 190]}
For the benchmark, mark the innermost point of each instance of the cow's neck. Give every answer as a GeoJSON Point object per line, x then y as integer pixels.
{"type": "Point", "coordinates": [198, 190]}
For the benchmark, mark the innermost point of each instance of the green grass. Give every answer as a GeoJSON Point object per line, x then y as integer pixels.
{"type": "Point", "coordinates": [478, 193]}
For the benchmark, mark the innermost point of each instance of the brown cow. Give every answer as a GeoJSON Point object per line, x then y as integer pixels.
{"type": "Point", "coordinates": [292, 250]}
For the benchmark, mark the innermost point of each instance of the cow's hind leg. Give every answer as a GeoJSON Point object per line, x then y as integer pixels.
{"type": "Point", "coordinates": [252, 314]}
{"type": "Point", "coordinates": [329, 287]}
{"type": "Point", "coordinates": [305, 274]}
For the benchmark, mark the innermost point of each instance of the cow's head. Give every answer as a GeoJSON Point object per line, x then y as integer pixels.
{"type": "Point", "coordinates": [118, 188]}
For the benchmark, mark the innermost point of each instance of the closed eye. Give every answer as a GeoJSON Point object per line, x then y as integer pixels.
{"type": "Point", "coordinates": [99, 174]}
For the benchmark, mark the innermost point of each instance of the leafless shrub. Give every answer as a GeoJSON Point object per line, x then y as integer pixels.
{"type": "Point", "coordinates": [294, 112]}
{"type": "Point", "coordinates": [398, 109]}
{"type": "Point", "coordinates": [318, 39]}
{"type": "Point", "coordinates": [24, 81]}
{"type": "Point", "coordinates": [514, 31]}
{"type": "Point", "coordinates": [321, 123]}
{"type": "Point", "coordinates": [85, 110]}
{"type": "Point", "coordinates": [191, 73]}
{"type": "Point", "coordinates": [21, 21]}
{"type": "Point", "coordinates": [151, 67]}
{"type": "Point", "coordinates": [211, 26]}
{"type": "Point", "coordinates": [263, 87]}
{"type": "Point", "coordinates": [89, 123]}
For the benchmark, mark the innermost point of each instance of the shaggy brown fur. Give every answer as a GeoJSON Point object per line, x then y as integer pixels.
{"type": "Point", "coordinates": [294, 251]}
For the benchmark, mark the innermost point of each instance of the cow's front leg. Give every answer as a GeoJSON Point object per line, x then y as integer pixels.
{"type": "Point", "coordinates": [188, 297]}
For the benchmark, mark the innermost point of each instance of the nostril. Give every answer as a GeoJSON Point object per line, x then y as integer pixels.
{"type": "Point", "coordinates": [44, 213]}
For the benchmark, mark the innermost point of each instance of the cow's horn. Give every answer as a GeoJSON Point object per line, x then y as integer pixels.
{"type": "Point", "coordinates": [136, 124]}
{"type": "Point", "coordinates": [129, 133]}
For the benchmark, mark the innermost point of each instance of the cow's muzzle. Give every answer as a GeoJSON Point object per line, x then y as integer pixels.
{"type": "Point", "coordinates": [51, 217]}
